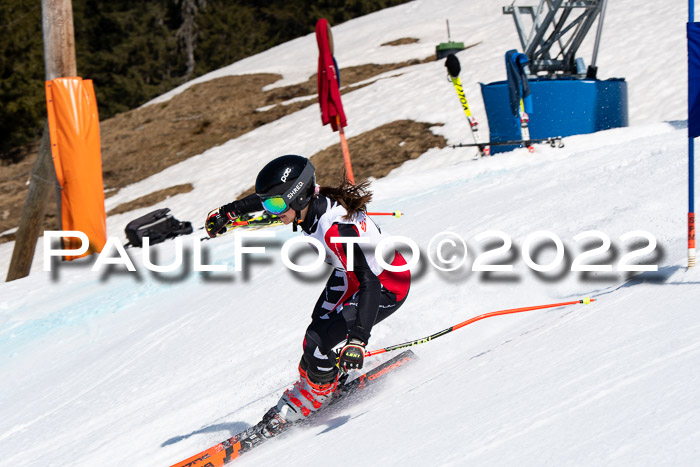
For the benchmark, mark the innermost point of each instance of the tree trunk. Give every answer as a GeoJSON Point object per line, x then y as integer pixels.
{"type": "Point", "coordinates": [187, 33]}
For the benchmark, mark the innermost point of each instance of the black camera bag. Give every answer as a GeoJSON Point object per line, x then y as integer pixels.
{"type": "Point", "coordinates": [158, 226]}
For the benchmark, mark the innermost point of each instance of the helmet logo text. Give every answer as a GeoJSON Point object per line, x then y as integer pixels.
{"type": "Point", "coordinates": [286, 174]}
{"type": "Point", "coordinates": [296, 189]}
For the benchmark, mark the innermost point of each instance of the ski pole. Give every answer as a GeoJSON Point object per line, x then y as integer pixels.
{"type": "Point", "coordinates": [274, 220]}
{"type": "Point", "coordinates": [369, 353]}
{"type": "Point", "coordinates": [553, 141]}
{"type": "Point", "coordinates": [260, 221]}
{"type": "Point", "coordinates": [396, 214]}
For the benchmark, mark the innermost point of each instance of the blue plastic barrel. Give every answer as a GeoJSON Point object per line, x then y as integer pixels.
{"type": "Point", "coordinates": [561, 107]}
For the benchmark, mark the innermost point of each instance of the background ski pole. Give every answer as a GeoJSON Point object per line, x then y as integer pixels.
{"type": "Point", "coordinates": [472, 320]}
{"type": "Point", "coordinates": [268, 221]}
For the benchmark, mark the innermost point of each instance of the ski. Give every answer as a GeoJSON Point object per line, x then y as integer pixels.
{"type": "Point", "coordinates": [555, 141]}
{"type": "Point", "coordinates": [453, 69]}
{"type": "Point", "coordinates": [524, 129]}
{"type": "Point", "coordinates": [230, 449]}
{"type": "Point", "coordinates": [519, 92]}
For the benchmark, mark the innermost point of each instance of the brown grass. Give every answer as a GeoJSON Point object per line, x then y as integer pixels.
{"type": "Point", "coordinates": [376, 152]}
{"type": "Point", "coordinates": [402, 41]}
{"type": "Point", "coordinates": [151, 199]}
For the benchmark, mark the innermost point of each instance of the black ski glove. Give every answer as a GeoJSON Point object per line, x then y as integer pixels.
{"type": "Point", "coordinates": [216, 223]}
{"type": "Point", "coordinates": [352, 355]}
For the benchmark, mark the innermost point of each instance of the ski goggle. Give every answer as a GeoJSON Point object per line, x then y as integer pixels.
{"type": "Point", "coordinates": [275, 205]}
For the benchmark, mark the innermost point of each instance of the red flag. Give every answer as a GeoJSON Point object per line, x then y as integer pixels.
{"type": "Point", "coordinates": [328, 79]}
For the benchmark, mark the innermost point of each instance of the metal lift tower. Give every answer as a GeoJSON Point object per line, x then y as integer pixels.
{"type": "Point", "coordinates": [551, 32]}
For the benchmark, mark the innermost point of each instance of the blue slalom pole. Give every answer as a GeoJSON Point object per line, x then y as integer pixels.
{"type": "Point", "coordinates": [691, 11]}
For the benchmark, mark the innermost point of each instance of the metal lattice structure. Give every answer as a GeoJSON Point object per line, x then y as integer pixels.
{"type": "Point", "coordinates": [551, 32]}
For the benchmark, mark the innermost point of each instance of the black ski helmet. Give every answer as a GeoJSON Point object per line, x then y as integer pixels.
{"type": "Point", "coordinates": [291, 177]}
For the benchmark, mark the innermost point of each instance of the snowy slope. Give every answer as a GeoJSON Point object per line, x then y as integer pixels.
{"type": "Point", "coordinates": [114, 368]}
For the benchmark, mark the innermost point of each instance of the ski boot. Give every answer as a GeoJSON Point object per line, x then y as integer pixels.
{"type": "Point", "coordinates": [309, 394]}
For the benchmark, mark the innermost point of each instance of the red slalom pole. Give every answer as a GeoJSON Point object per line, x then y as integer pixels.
{"type": "Point", "coordinates": [369, 353]}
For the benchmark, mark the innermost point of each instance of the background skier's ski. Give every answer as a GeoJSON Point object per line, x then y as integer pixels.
{"type": "Point", "coordinates": [453, 69]}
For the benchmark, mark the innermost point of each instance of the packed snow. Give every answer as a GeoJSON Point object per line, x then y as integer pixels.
{"type": "Point", "coordinates": [113, 367]}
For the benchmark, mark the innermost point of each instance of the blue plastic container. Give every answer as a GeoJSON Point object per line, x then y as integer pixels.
{"type": "Point", "coordinates": [561, 107]}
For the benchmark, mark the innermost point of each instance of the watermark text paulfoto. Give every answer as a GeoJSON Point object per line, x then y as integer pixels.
{"type": "Point", "coordinates": [447, 251]}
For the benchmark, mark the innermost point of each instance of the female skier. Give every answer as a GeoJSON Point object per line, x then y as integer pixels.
{"type": "Point", "coordinates": [356, 296]}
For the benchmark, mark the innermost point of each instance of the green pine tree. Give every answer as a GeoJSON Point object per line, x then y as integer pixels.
{"type": "Point", "coordinates": [135, 50]}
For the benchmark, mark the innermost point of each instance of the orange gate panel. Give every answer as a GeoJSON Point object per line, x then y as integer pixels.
{"type": "Point", "coordinates": [74, 127]}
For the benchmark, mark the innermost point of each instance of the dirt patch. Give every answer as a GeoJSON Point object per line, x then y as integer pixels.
{"type": "Point", "coordinates": [14, 183]}
{"type": "Point", "coordinates": [7, 238]}
{"type": "Point", "coordinates": [147, 140]}
{"type": "Point", "coordinates": [402, 41]}
{"type": "Point", "coordinates": [151, 199]}
{"type": "Point", "coordinates": [348, 77]}
{"type": "Point", "coordinates": [375, 153]}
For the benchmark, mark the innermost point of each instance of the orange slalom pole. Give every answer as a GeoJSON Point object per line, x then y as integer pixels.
{"type": "Point", "coordinates": [369, 353]}
{"type": "Point", "coordinates": [346, 151]}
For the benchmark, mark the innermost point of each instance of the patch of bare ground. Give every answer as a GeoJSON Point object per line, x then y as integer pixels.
{"type": "Point", "coordinates": [402, 41]}
{"type": "Point", "coordinates": [151, 198]}
{"type": "Point", "coordinates": [376, 152]}
{"type": "Point", "coordinates": [14, 183]}
{"type": "Point", "coordinates": [147, 140]}
{"type": "Point", "coordinates": [348, 77]}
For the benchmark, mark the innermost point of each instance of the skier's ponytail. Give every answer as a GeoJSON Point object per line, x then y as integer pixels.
{"type": "Point", "coordinates": [353, 197]}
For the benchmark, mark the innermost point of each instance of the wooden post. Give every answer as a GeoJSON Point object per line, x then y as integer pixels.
{"type": "Point", "coordinates": [59, 61]}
